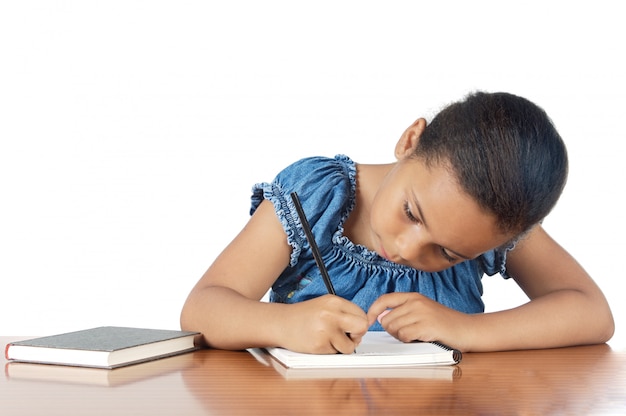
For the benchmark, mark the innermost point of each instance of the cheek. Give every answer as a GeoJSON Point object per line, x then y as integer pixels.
{"type": "Point", "coordinates": [373, 220]}
{"type": "Point", "coordinates": [383, 219]}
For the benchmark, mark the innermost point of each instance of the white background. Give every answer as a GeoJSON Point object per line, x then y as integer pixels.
{"type": "Point", "coordinates": [132, 131]}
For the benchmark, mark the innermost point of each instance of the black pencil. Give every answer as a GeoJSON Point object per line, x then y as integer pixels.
{"type": "Point", "coordinates": [312, 243]}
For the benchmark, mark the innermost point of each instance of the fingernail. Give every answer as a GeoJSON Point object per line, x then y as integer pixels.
{"type": "Point", "coordinates": [380, 317]}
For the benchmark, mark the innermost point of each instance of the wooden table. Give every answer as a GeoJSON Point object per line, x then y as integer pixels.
{"type": "Point", "coordinates": [570, 381]}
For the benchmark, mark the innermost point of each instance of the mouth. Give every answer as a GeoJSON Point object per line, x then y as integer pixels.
{"type": "Point", "coordinates": [384, 253]}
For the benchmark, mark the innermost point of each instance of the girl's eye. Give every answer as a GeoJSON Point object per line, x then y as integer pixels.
{"type": "Point", "coordinates": [446, 256]}
{"type": "Point", "coordinates": [413, 218]}
{"type": "Point", "coordinates": [408, 213]}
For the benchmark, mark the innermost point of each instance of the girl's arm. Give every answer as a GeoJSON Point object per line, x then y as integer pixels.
{"type": "Point", "coordinates": [566, 307]}
{"type": "Point", "coordinates": [225, 303]}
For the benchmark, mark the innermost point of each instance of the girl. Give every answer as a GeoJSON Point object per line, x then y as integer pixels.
{"type": "Point", "coordinates": [407, 243]}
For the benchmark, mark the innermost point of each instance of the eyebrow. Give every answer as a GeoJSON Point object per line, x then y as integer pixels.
{"type": "Point", "coordinates": [421, 214]}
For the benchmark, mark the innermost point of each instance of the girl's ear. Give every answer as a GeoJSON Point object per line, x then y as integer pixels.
{"type": "Point", "coordinates": [409, 139]}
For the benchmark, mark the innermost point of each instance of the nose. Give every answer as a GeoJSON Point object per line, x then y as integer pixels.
{"type": "Point", "coordinates": [416, 249]}
{"type": "Point", "coordinates": [412, 245]}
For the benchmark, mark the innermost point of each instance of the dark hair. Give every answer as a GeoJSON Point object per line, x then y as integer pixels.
{"type": "Point", "coordinates": [504, 151]}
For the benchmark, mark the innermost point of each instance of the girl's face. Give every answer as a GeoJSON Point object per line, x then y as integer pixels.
{"type": "Point", "coordinates": [421, 218]}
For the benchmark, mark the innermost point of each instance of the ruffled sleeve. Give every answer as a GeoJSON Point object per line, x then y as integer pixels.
{"type": "Point", "coordinates": [324, 187]}
{"type": "Point", "coordinates": [494, 261]}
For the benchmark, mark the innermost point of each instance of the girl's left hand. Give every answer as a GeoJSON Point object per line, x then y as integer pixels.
{"type": "Point", "coordinates": [414, 317]}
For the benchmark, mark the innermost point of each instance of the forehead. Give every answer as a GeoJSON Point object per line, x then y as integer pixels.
{"type": "Point", "coordinates": [451, 216]}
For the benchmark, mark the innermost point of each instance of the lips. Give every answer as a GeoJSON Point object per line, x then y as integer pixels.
{"type": "Point", "coordinates": [384, 253]}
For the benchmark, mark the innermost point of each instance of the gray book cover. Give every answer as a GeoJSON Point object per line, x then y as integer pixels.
{"type": "Point", "coordinates": [106, 338]}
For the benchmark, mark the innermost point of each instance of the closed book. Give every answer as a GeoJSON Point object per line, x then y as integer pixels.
{"type": "Point", "coordinates": [377, 349]}
{"type": "Point", "coordinates": [102, 347]}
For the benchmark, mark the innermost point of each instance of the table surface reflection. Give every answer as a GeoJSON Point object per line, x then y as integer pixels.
{"type": "Point", "coordinates": [580, 380]}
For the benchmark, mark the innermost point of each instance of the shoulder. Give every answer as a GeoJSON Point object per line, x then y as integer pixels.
{"type": "Point", "coordinates": [326, 189]}
{"type": "Point", "coordinates": [318, 169]}
{"type": "Point", "coordinates": [316, 179]}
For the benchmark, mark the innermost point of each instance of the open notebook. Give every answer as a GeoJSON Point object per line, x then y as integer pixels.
{"type": "Point", "coordinates": [377, 349]}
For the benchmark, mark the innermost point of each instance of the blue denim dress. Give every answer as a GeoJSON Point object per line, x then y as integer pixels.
{"type": "Point", "coordinates": [327, 190]}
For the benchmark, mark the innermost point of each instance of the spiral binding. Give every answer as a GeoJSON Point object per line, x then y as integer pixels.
{"type": "Point", "coordinates": [457, 356]}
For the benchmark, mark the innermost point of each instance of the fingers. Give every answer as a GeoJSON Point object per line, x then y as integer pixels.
{"type": "Point", "coordinates": [383, 305]}
{"type": "Point", "coordinates": [406, 316]}
{"type": "Point", "coordinates": [353, 324]}
{"type": "Point", "coordinates": [341, 325]}
{"type": "Point", "coordinates": [348, 316]}
{"type": "Point", "coordinates": [343, 343]}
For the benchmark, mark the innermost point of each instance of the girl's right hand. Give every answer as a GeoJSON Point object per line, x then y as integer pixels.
{"type": "Point", "coordinates": [325, 325]}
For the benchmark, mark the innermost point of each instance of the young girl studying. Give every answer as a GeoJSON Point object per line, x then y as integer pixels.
{"type": "Point", "coordinates": [407, 243]}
